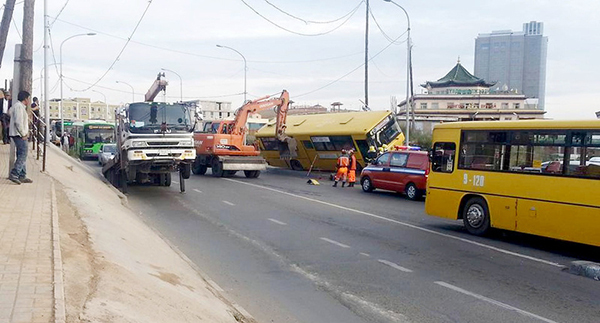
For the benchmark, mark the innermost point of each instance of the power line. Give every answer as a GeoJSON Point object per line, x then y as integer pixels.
{"type": "Point", "coordinates": [59, 13]}
{"type": "Point", "coordinates": [390, 39]}
{"type": "Point", "coordinates": [129, 92]}
{"type": "Point", "coordinates": [122, 49]}
{"type": "Point", "coordinates": [206, 56]}
{"type": "Point", "coordinates": [312, 21]}
{"type": "Point", "coordinates": [299, 33]}
{"type": "Point", "coordinates": [17, 29]}
{"type": "Point", "coordinates": [352, 71]}
{"type": "Point", "coordinates": [52, 24]}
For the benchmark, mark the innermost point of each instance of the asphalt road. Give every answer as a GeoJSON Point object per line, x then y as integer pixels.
{"type": "Point", "coordinates": [291, 252]}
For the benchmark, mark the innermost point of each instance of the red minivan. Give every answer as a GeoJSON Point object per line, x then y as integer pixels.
{"type": "Point", "coordinates": [403, 171]}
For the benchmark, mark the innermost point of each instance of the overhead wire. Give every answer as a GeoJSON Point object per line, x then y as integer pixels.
{"type": "Point", "coordinates": [352, 71]}
{"type": "Point", "coordinates": [313, 21]}
{"type": "Point", "coordinates": [299, 33]}
{"type": "Point", "coordinates": [52, 24]}
{"type": "Point", "coordinates": [17, 28]}
{"type": "Point", "coordinates": [59, 13]}
{"type": "Point", "coordinates": [390, 39]}
{"type": "Point", "coordinates": [207, 56]}
{"type": "Point", "coordinates": [122, 49]}
{"type": "Point", "coordinates": [136, 93]}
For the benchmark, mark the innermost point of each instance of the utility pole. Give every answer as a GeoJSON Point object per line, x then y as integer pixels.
{"type": "Point", "coordinates": [27, 48]}
{"type": "Point", "coordinates": [367, 55]}
{"type": "Point", "coordinates": [9, 7]}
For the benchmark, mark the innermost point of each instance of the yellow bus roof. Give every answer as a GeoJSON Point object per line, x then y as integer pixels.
{"type": "Point", "coordinates": [522, 124]}
{"type": "Point", "coordinates": [347, 123]}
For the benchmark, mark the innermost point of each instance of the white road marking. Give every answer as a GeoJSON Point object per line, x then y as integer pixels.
{"type": "Point", "coordinates": [365, 254]}
{"type": "Point", "coordinates": [198, 191]}
{"type": "Point", "coordinates": [491, 301]}
{"type": "Point", "coordinates": [228, 203]}
{"type": "Point", "coordinates": [277, 221]}
{"type": "Point", "coordinates": [395, 266]}
{"type": "Point", "coordinates": [175, 182]}
{"type": "Point", "coordinates": [408, 225]}
{"type": "Point", "coordinates": [339, 244]}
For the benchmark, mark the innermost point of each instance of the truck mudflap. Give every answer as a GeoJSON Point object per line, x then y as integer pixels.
{"type": "Point", "coordinates": [243, 163]}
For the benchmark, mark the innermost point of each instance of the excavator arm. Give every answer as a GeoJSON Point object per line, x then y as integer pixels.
{"type": "Point", "coordinates": [242, 114]}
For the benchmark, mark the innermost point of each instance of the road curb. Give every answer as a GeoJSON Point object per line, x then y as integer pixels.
{"type": "Point", "coordinates": [585, 268]}
{"type": "Point", "coordinates": [58, 282]}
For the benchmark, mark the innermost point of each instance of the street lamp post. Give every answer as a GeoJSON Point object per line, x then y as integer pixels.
{"type": "Point", "coordinates": [132, 90]}
{"type": "Point", "coordinates": [245, 68]}
{"type": "Point", "coordinates": [62, 119]}
{"type": "Point", "coordinates": [106, 102]}
{"type": "Point", "coordinates": [180, 81]}
{"type": "Point", "coordinates": [408, 60]}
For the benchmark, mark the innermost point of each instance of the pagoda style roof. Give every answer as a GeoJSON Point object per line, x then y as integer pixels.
{"type": "Point", "coordinates": [458, 76]}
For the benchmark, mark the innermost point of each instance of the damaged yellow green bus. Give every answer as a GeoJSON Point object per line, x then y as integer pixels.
{"type": "Point", "coordinates": [321, 137]}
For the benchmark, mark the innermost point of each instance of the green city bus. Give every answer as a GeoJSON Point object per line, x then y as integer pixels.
{"type": "Point", "coordinates": [91, 136]}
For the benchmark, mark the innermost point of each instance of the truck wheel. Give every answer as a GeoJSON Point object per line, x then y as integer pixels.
{"type": "Point", "coordinates": [252, 173]}
{"type": "Point", "coordinates": [182, 179]}
{"type": "Point", "coordinates": [217, 168]}
{"type": "Point", "coordinates": [186, 170]}
{"type": "Point", "coordinates": [199, 169]}
{"type": "Point", "coordinates": [229, 173]}
{"type": "Point", "coordinates": [123, 179]}
{"type": "Point", "coordinates": [167, 181]}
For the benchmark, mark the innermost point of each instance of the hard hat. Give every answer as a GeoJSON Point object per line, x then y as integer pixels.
{"type": "Point", "coordinates": [380, 149]}
{"type": "Point", "coordinates": [371, 148]}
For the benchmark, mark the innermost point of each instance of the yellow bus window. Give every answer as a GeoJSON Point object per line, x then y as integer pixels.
{"type": "Point", "coordinates": [443, 157]}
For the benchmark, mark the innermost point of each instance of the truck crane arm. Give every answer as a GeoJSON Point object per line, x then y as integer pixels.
{"type": "Point", "coordinates": [160, 84]}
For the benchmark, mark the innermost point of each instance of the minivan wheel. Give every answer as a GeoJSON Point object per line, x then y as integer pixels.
{"type": "Point", "coordinates": [366, 184]}
{"type": "Point", "coordinates": [412, 192]}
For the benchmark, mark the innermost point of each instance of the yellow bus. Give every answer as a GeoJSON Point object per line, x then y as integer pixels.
{"type": "Point", "coordinates": [321, 137]}
{"type": "Point", "coordinates": [536, 177]}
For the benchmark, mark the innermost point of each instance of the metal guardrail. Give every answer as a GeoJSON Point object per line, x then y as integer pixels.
{"type": "Point", "coordinates": [39, 135]}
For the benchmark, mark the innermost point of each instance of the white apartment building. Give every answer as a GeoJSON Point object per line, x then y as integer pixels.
{"type": "Point", "coordinates": [82, 109]}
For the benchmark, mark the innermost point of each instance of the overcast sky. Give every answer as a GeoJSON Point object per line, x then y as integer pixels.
{"type": "Point", "coordinates": [181, 35]}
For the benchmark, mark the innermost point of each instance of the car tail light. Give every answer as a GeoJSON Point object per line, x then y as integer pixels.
{"type": "Point", "coordinates": [427, 172]}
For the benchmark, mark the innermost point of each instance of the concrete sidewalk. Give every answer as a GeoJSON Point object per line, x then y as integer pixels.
{"type": "Point", "coordinates": [26, 246]}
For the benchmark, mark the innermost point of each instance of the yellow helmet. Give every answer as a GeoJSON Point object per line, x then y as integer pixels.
{"type": "Point", "coordinates": [371, 148]}
{"type": "Point", "coordinates": [380, 149]}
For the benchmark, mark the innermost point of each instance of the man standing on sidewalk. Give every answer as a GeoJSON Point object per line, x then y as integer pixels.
{"type": "Point", "coordinates": [19, 130]}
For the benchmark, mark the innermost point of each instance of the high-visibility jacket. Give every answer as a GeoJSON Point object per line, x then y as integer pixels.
{"type": "Point", "coordinates": [343, 161]}
{"type": "Point", "coordinates": [352, 162]}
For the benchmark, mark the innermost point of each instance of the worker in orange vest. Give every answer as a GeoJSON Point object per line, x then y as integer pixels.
{"type": "Point", "coordinates": [342, 168]}
{"type": "Point", "coordinates": [352, 169]}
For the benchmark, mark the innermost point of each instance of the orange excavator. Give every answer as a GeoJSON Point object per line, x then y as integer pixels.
{"type": "Point", "coordinates": [223, 148]}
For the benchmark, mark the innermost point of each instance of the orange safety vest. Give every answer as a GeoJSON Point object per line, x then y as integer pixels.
{"type": "Point", "coordinates": [353, 162]}
{"type": "Point", "coordinates": [343, 161]}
